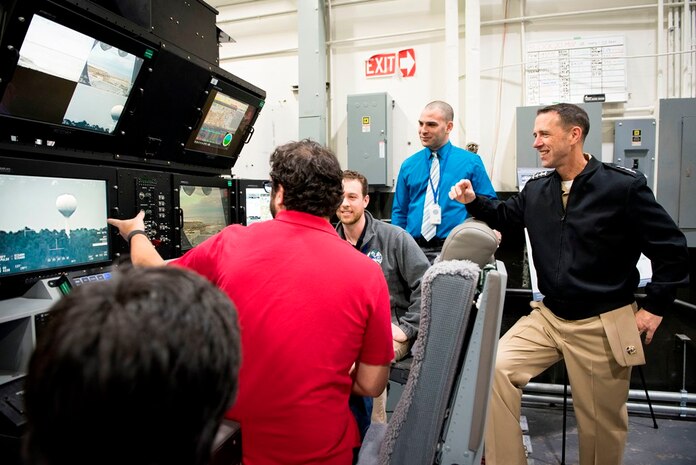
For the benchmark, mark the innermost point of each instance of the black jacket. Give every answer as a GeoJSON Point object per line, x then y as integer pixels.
{"type": "Point", "coordinates": [586, 255]}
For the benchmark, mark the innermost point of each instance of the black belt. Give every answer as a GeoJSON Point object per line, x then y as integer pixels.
{"type": "Point", "coordinates": [435, 242]}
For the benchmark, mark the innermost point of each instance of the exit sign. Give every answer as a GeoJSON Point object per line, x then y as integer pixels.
{"type": "Point", "coordinates": [388, 64]}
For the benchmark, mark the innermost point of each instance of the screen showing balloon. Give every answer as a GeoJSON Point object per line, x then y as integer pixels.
{"type": "Point", "coordinates": [68, 78]}
{"type": "Point", "coordinates": [48, 223]}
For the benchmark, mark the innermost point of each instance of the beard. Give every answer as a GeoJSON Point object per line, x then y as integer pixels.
{"type": "Point", "coordinates": [349, 220]}
{"type": "Point", "coordinates": [272, 204]}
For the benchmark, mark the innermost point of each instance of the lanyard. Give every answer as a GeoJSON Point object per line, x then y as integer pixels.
{"type": "Point", "coordinates": [436, 198]}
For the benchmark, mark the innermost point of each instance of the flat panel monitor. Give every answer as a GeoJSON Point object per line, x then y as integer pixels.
{"type": "Point", "coordinates": [226, 120]}
{"type": "Point", "coordinates": [70, 73]}
{"type": "Point", "coordinates": [255, 199]}
{"type": "Point", "coordinates": [204, 206]}
{"type": "Point", "coordinates": [52, 223]}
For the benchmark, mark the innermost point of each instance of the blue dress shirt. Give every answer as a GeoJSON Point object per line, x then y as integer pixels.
{"type": "Point", "coordinates": [413, 180]}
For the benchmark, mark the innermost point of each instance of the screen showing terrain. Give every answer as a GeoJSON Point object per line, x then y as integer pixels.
{"type": "Point", "coordinates": [206, 212]}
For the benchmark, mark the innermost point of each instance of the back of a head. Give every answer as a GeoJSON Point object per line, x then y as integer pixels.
{"type": "Point", "coordinates": [311, 177]}
{"type": "Point", "coordinates": [135, 370]}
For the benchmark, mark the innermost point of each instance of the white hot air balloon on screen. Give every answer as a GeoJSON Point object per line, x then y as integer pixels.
{"type": "Point", "coordinates": [66, 205]}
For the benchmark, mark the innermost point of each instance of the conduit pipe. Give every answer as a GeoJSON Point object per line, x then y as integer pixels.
{"type": "Point", "coordinates": [677, 46]}
{"type": "Point", "coordinates": [472, 85]}
{"type": "Point", "coordinates": [483, 23]}
{"type": "Point", "coordinates": [633, 407]}
{"type": "Point", "coordinates": [670, 48]}
{"type": "Point", "coordinates": [523, 47]}
{"type": "Point", "coordinates": [520, 19]}
{"type": "Point", "coordinates": [566, 13]}
{"type": "Point", "coordinates": [685, 23]}
{"type": "Point", "coordinates": [622, 118]}
{"type": "Point", "coordinates": [692, 48]}
{"type": "Point", "coordinates": [661, 61]}
{"type": "Point", "coordinates": [553, 394]}
{"type": "Point", "coordinates": [639, 394]}
{"type": "Point", "coordinates": [607, 111]}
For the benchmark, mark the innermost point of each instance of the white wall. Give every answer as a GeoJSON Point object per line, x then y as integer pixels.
{"type": "Point", "coordinates": [266, 55]}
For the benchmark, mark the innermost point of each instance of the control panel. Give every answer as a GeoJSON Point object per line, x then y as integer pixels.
{"type": "Point", "coordinates": [150, 192]}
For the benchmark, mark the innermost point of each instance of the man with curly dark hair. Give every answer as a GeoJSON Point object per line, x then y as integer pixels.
{"type": "Point", "coordinates": [138, 369]}
{"type": "Point", "coordinates": [306, 171]}
{"type": "Point", "coordinates": [310, 337]}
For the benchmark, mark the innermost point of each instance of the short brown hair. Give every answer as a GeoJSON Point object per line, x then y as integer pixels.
{"type": "Point", "coordinates": [570, 115]}
{"type": "Point", "coordinates": [350, 174]}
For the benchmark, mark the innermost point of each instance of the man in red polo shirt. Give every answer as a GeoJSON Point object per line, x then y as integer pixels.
{"type": "Point", "coordinates": [313, 311]}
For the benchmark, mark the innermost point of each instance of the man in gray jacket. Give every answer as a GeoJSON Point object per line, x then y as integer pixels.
{"type": "Point", "coordinates": [403, 262]}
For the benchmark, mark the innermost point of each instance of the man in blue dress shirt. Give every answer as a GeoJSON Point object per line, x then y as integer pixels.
{"type": "Point", "coordinates": [421, 204]}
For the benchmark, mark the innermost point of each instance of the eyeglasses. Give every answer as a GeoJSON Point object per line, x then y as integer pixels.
{"type": "Point", "coordinates": [268, 186]}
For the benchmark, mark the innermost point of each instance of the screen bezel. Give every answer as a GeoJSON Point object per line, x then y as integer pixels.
{"type": "Point", "coordinates": [236, 91]}
{"type": "Point", "coordinates": [23, 167]}
{"type": "Point", "coordinates": [198, 181]}
{"type": "Point", "coordinates": [25, 130]}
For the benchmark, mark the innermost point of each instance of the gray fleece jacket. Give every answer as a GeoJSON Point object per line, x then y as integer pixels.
{"type": "Point", "coordinates": [403, 264]}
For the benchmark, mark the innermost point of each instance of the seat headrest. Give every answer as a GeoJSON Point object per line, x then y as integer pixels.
{"type": "Point", "coordinates": [472, 240]}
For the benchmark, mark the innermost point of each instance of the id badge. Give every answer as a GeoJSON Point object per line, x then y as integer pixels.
{"type": "Point", "coordinates": [435, 214]}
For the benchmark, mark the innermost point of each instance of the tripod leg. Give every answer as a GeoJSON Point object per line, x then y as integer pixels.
{"type": "Point", "coordinates": [647, 396]}
{"type": "Point", "coordinates": [565, 411]}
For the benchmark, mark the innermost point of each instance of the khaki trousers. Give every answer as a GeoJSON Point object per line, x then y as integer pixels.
{"type": "Point", "coordinates": [599, 384]}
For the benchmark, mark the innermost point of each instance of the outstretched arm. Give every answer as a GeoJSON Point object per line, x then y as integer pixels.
{"type": "Point", "coordinates": [142, 251]}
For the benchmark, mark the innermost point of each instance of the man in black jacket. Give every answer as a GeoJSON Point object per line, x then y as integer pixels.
{"type": "Point", "coordinates": [588, 223]}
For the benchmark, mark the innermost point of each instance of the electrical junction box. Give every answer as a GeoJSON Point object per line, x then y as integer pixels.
{"type": "Point", "coordinates": [369, 137]}
{"type": "Point", "coordinates": [634, 146]}
{"type": "Point", "coordinates": [676, 173]}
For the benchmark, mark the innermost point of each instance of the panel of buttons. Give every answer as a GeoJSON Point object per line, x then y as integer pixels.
{"type": "Point", "coordinates": [153, 196]}
{"type": "Point", "coordinates": [79, 281]}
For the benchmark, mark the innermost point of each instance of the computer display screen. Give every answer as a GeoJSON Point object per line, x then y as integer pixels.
{"type": "Point", "coordinates": [258, 206]}
{"type": "Point", "coordinates": [68, 78]}
{"type": "Point", "coordinates": [50, 223]}
{"type": "Point", "coordinates": [206, 212]}
{"type": "Point", "coordinates": [222, 121]}
{"type": "Point", "coordinates": [226, 117]}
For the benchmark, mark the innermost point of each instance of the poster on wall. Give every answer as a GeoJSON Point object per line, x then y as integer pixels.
{"type": "Point", "coordinates": [576, 70]}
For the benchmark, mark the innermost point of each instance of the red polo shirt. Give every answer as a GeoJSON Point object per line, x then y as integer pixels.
{"type": "Point", "coordinates": [309, 306]}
